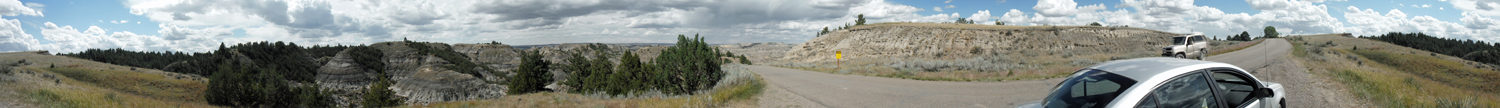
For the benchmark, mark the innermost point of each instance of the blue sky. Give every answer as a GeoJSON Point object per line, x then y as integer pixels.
{"type": "Point", "coordinates": [199, 25]}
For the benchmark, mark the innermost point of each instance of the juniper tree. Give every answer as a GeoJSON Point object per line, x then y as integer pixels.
{"type": "Point", "coordinates": [531, 75]}
{"type": "Point", "coordinates": [687, 67]}
{"type": "Point", "coordinates": [861, 20]}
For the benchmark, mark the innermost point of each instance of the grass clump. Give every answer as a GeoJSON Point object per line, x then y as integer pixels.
{"type": "Point", "coordinates": [50, 99]}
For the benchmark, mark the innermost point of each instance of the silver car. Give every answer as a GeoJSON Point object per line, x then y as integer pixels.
{"type": "Point", "coordinates": [1192, 45]}
{"type": "Point", "coordinates": [1161, 82]}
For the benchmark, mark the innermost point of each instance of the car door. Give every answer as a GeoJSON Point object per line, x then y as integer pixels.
{"type": "Point", "coordinates": [1199, 45]}
{"type": "Point", "coordinates": [1236, 88]}
{"type": "Point", "coordinates": [1190, 90]}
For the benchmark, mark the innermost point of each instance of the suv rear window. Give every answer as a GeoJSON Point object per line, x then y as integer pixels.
{"type": "Point", "coordinates": [1088, 89]}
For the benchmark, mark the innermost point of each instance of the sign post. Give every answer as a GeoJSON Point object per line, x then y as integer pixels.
{"type": "Point", "coordinates": [837, 57]}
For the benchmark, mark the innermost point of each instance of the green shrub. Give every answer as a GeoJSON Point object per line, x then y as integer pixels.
{"type": "Point", "coordinates": [531, 75]}
{"type": "Point", "coordinates": [745, 60]}
{"type": "Point", "coordinates": [689, 66]}
{"type": "Point", "coordinates": [588, 75]}
{"type": "Point", "coordinates": [380, 94]}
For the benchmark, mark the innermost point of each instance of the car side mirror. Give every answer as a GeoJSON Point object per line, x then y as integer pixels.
{"type": "Point", "coordinates": [1263, 92]}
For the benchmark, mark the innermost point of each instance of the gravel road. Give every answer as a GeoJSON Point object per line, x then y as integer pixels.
{"type": "Point", "coordinates": [799, 88]}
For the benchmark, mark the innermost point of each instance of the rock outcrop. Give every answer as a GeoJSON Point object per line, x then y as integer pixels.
{"type": "Point", "coordinates": [419, 78]}
{"type": "Point", "coordinates": [758, 52]}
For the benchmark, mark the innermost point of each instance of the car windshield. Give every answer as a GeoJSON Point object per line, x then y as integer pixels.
{"type": "Point", "coordinates": [1088, 89]}
{"type": "Point", "coordinates": [1179, 40]}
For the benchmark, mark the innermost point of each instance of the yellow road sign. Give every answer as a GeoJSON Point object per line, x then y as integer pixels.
{"type": "Point", "coordinates": [838, 55]}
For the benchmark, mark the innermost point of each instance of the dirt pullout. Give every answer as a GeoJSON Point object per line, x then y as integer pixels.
{"type": "Point", "coordinates": [1307, 90]}
{"type": "Point", "coordinates": [777, 97]}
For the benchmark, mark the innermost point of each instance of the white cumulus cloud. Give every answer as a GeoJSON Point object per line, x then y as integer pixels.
{"type": "Point", "coordinates": [1058, 8]}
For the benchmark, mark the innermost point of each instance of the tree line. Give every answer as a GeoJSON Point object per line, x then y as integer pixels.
{"type": "Point", "coordinates": [281, 74]}
{"type": "Point", "coordinates": [690, 65]}
{"type": "Point", "coordinates": [1468, 49]}
{"type": "Point", "coordinates": [160, 60]}
{"type": "Point", "coordinates": [260, 74]}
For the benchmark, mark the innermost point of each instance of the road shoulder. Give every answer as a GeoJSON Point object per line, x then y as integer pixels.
{"type": "Point", "coordinates": [776, 97]}
{"type": "Point", "coordinates": [1308, 90]}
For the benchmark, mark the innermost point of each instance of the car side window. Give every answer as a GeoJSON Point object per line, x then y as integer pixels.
{"type": "Point", "coordinates": [1187, 91]}
{"type": "Point", "coordinates": [1148, 102]}
{"type": "Point", "coordinates": [1236, 88]}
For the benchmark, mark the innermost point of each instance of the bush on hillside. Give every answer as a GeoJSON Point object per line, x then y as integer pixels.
{"type": "Point", "coordinates": [689, 66]}
{"type": "Point", "coordinates": [380, 95]}
{"type": "Point", "coordinates": [531, 75]}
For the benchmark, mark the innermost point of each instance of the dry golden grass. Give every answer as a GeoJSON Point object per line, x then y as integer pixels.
{"type": "Point", "coordinates": [1396, 76]}
{"type": "Point", "coordinates": [113, 89]}
{"type": "Point", "coordinates": [78, 83]}
{"type": "Point", "coordinates": [739, 95]}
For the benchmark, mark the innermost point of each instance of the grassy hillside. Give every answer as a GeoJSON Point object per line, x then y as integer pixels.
{"type": "Point", "coordinates": [975, 52]}
{"type": "Point", "coordinates": [81, 83]}
{"type": "Point", "coordinates": [1397, 76]}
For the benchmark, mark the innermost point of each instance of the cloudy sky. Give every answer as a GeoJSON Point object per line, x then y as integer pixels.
{"type": "Point", "coordinates": [200, 25]}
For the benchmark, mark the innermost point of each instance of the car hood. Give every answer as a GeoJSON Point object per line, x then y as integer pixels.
{"type": "Point", "coordinates": [1174, 46]}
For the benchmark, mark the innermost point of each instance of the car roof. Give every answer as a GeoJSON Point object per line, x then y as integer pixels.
{"type": "Point", "coordinates": [1142, 69]}
{"type": "Point", "coordinates": [1190, 34]}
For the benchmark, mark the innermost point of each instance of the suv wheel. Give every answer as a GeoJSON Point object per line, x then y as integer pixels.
{"type": "Point", "coordinates": [1180, 55]}
{"type": "Point", "coordinates": [1202, 54]}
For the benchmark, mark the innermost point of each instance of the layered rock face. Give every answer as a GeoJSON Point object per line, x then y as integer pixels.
{"type": "Point", "coordinates": [342, 73]}
{"type": "Point", "coordinates": [419, 78]}
{"type": "Point", "coordinates": [979, 44]}
{"type": "Point", "coordinates": [758, 52]}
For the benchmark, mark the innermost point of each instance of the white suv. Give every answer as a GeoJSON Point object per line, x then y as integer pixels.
{"type": "Point", "coordinates": [1160, 82]}
{"type": "Point", "coordinates": [1191, 45]}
